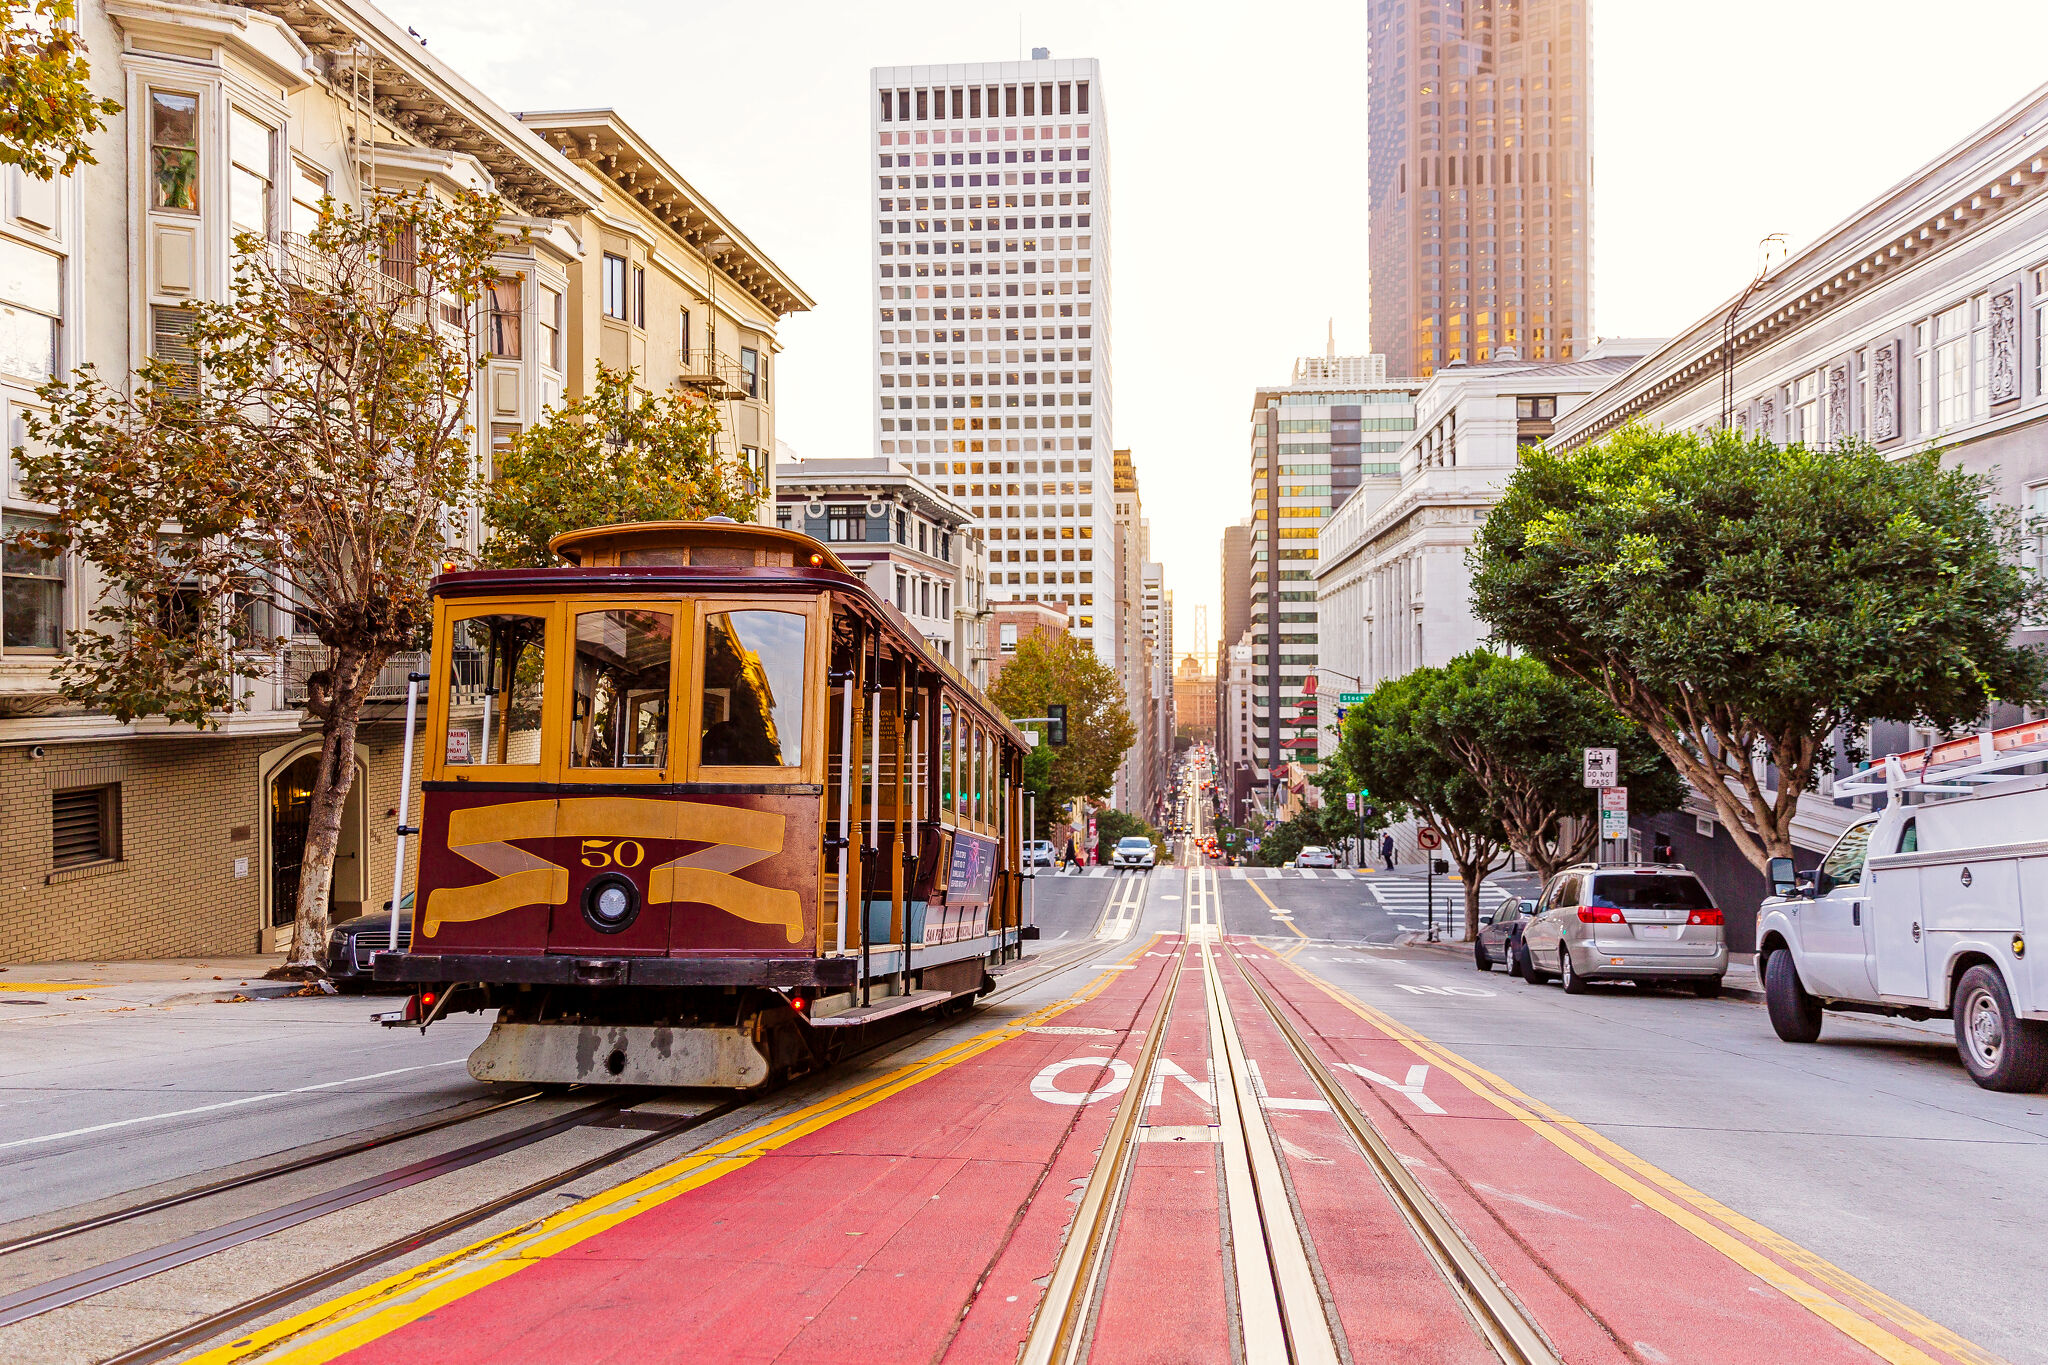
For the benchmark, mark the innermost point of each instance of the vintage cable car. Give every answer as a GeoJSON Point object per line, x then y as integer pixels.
{"type": "Point", "coordinates": [700, 807]}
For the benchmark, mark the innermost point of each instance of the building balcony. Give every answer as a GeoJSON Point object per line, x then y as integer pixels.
{"type": "Point", "coordinates": [714, 374]}
{"type": "Point", "coordinates": [305, 655]}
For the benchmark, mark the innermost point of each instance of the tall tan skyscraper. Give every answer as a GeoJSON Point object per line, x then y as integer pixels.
{"type": "Point", "coordinates": [1479, 120]}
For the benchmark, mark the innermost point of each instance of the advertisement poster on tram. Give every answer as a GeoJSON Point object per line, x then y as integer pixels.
{"type": "Point", "coordinates": [974, 865]}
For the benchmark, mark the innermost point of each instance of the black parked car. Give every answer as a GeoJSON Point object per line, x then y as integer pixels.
{"type": "Point", "coordinates": [353, 941]}
{"type": "Point", "coordinates": [1500, 934]}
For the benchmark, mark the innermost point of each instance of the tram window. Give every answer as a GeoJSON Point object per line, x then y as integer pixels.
{"type": "Point", "coordinates": [753, 689]}
{"type": "Point", "coordinates": [946, 751]}
{"type": "Point", "coordinates": [622, 684]}
{"type": "Point", "coordinates": [497, 668]}
{"type": "Point", "coordinates": [980, 774]}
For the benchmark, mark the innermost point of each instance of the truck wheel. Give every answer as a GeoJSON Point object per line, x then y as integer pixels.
{"type": "Point", "coordinates": [1568, 975]}
{"type": "Point", "coordinates": [1480, 958]}
{"type": "Point", "coordinates": [2000, 1050]}
{"type": "Point", "coordinates": [1795, 1015]}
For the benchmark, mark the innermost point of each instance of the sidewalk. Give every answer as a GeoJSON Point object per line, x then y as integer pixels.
{"type": "Point", "coordinates": [104, 987]}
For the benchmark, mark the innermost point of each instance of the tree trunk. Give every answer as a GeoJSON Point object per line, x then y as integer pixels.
{"type": "Point", "coordinates": [324, 817]}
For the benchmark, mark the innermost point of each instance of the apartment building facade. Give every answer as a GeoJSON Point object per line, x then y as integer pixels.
{"type": "Point", "coordinates": [990, 259]}
{"type": "Point", "coordinates": [145, 839]}
{"type": "Point", "coordinates": [1479, 179]}
{"type": "Point", "coordinates": [913, 545]}
{"type": "Point", "coordinates": [1337, 425]}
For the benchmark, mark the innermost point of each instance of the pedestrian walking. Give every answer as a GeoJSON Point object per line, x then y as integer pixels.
{"type": "Point", "coordinates": [1387, 851]}
{"type": "Point", "coordinates": [1073, 854]}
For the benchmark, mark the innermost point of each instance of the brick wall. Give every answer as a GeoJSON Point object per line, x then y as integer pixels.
{"type": "Point", "coordinates": [174, 892]}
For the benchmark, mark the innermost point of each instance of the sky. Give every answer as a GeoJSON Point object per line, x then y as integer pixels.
{"type": "Point", "coordinates": [1238, 147]}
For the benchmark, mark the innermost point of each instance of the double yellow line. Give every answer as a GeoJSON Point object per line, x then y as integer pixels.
{"type": "Point", "coordinates": [340, 1325]}
{"type": "Point", "coordinates": [1860, 1311]}
{"type": "Point", "coordinates": [1292, 949]}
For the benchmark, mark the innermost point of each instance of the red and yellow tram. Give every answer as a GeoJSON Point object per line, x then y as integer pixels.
{"type": "Point", "coordinates": [699, 807]}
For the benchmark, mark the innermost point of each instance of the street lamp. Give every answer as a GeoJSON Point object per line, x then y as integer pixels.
{"type": "Point", "coordinates": [1763, 271]}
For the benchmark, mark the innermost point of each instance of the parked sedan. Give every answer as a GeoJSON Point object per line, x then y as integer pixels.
{"type": "Point", "coordinates": [1040, 853]}
{"type": "Point", "coordinates": [1654, 922]}
{"type": "Point", "coordinates": [1500, 934]}
{"type": "Point", "coordinates": [1315, 855]}
{"type": "Point", "coordinates": [1134, 851]}
{"type": "Point", "coordinates": [352, 943]}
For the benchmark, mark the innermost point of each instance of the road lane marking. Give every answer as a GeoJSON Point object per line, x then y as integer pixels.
{"type": "Point", "coordinates": [1707, 1219]}
{"type": "Point", "coordinates": [1282, 915]}
{"type": "Point", "coordinates": [376, 1310]}
{"type": "Point", "coordinates": [224, 1104]}
{"type": "Point", "coordinates": [1412, 1087]}
{"type": "Point", "coordinates": [1044, 1087]}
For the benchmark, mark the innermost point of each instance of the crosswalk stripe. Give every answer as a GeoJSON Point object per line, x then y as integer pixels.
{"type": "Point", "coordinates": [1344, 876]}
{"type": "Point", "coordinates": [1308, 875]}
{"type": "Point", "coordinates": [1271, 873]}
{"type": "Point", "coordinates": [1098, 871]}
{"type": "Point", "coordinates": [1237, 874]}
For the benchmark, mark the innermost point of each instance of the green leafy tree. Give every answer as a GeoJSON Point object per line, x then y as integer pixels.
{"type": "Point", "coordinates": [1520, 730]}
{"type": "Point", "coordinates": [612, 455]}
{"type": "Point", "coordinates": [48, 112]}
{"type": "Point", "coordinates": [1038, 780]}
{"type": "Point", "coordinates": [1112, 825]}
{"type": "Point", "coordinates": [1744, 601]}
{"type": "Point", "coordinates": [1048, 670]}
{"type": "Point", "coordinates": [1396, 744]}
{"type": "Point", "coordinates": [309, 462]}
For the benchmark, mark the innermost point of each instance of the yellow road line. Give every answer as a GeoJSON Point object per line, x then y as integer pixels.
{"type": "Point", "coordinates": [1270, 906]}
{"type": "Point", "coordinates": [378, 1309]}
{"type": "Point", "coordinates": [1705, 1218]}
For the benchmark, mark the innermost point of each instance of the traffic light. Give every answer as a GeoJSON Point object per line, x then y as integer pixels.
{"type": "Point", "coordinates": [1056, 724]}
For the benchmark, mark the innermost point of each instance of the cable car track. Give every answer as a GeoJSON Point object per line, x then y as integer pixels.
{"type": "Point", "coordinates": [1284, 1315]}
{"type": "Point", "coordinates": [103, 1277]}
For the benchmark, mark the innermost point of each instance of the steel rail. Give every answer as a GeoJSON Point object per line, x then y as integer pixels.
{"type": "Point", "coordinates": [157, 1348]}
{"type": "Point", "coordinates": [1057, 1328]}
{"type": "Point", "coordinates": [1507, 1327]}
{"type": "Point", "coordinates": [66, 1290]}
{"type": "Point", "coordinates": [304, 1163]}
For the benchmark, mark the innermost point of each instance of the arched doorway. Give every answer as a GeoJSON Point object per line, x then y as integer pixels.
{"type": "Point", "coordinates": [288, 802]}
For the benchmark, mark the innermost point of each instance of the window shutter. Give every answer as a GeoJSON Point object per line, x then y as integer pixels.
{"type": "Point", "coordinates": [78, 826]}
{"type": "Point", "coordinates": [171, 342]}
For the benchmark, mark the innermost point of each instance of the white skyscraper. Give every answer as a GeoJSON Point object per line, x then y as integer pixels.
{"type": "Point", "coordinates": [991, 270]}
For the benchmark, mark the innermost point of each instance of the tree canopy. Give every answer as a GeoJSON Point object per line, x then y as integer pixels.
{"type": "Point", "coordinates": [310, 456]}
{"type": "Point", "coordinates": [48, 112]}
{"type": "Point", "coordinates": [1520, 729]}
{"type": "Point", "coordinates": [613, 455]}
{"type": "Point", "coordinates": [1744, 601]}
{"type": "Point", "coordinates": [1048, 670]}
{"type": "Point", "coordinates": [1396, 744]}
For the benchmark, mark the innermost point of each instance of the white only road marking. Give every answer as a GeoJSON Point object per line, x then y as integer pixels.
{"type": "Point", "coordinates": [224, 1104]}
{"type": "Point", "coordinates": [1441, 990]}
{"type": "Point", "coordinates": [1412, 1087]}
{"type": "Point", "coordinates": [1271, 873]}
{"type": "Point", "coordinates": [1205, 1091]}
{"type": "Point", "coordinates": [1099, 870]}
{"type": "Point", "coordinates": [1237, 874]}
{"type": "Point", "coordinates": [1042, 1085]}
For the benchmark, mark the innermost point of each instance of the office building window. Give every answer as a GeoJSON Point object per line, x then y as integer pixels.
{"type": "Point", "coordinates": [1949, 364]}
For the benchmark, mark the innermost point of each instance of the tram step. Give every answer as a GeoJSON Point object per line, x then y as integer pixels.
{"type": "Point", "coordinates": [882, 1009]}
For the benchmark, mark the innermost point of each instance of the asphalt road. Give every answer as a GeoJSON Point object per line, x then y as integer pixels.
{"type": "Point", "coordinates": [1872, 1149]}
{"type": "Point", "coordinates": [93, 1105]}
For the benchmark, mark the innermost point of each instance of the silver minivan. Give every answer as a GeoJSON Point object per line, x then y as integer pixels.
{"type": "Point", "coordinates": [1635, 922]}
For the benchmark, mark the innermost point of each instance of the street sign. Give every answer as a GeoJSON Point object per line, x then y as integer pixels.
{"type": "Point", "coordinates": [1351, 800]}
{"type": "Point", "coordinates": [1603, 767]}
{"type": "Point", "coordinates": [1353, 698]}
{"type": "Point", "coordinates": [1614, 813]}
{"type": "Point", "coordinates": [1428, 838]}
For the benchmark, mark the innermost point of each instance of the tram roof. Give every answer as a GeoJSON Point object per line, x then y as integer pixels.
{"type": "Point", "coordinates": [720, 555]}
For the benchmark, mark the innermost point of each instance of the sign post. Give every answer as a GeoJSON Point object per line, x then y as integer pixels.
{"type": "Point", "coordinates": [1429, 841]}
{"type": "Point", "coordinates": [1603, 770]}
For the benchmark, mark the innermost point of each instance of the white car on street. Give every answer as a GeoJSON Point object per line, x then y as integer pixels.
{"type": "Point", "coordinates": [1133, 851]}
{"type": "Point", "coordinates": [1315, 855]}
{"type": "Point", "coordinates": [1932, 910]}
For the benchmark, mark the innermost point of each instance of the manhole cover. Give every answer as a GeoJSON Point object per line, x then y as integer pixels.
{"type": "Point", "coordinates": [1068, 1030]}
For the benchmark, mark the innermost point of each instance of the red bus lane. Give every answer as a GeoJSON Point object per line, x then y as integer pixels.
{"type": "Point", "coordinates": [865, 1239]}
{"type": "Point", "coordinates": [1609, 1261]}
{"type": "Point", "coordinates": [1164, 1296]}
{"type": "Point", "coordinates": [1388, 1297]}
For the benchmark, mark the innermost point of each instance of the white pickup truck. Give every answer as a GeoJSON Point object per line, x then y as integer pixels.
{"type": "Point", "coordinates": [1926, 910]}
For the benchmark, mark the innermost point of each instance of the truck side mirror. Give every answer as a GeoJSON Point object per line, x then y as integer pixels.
{"type": "Point", "coordinates": [1784, 881]}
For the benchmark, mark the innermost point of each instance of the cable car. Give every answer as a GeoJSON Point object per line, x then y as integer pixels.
{"type": "Point", "coordinates": [700, 807]}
